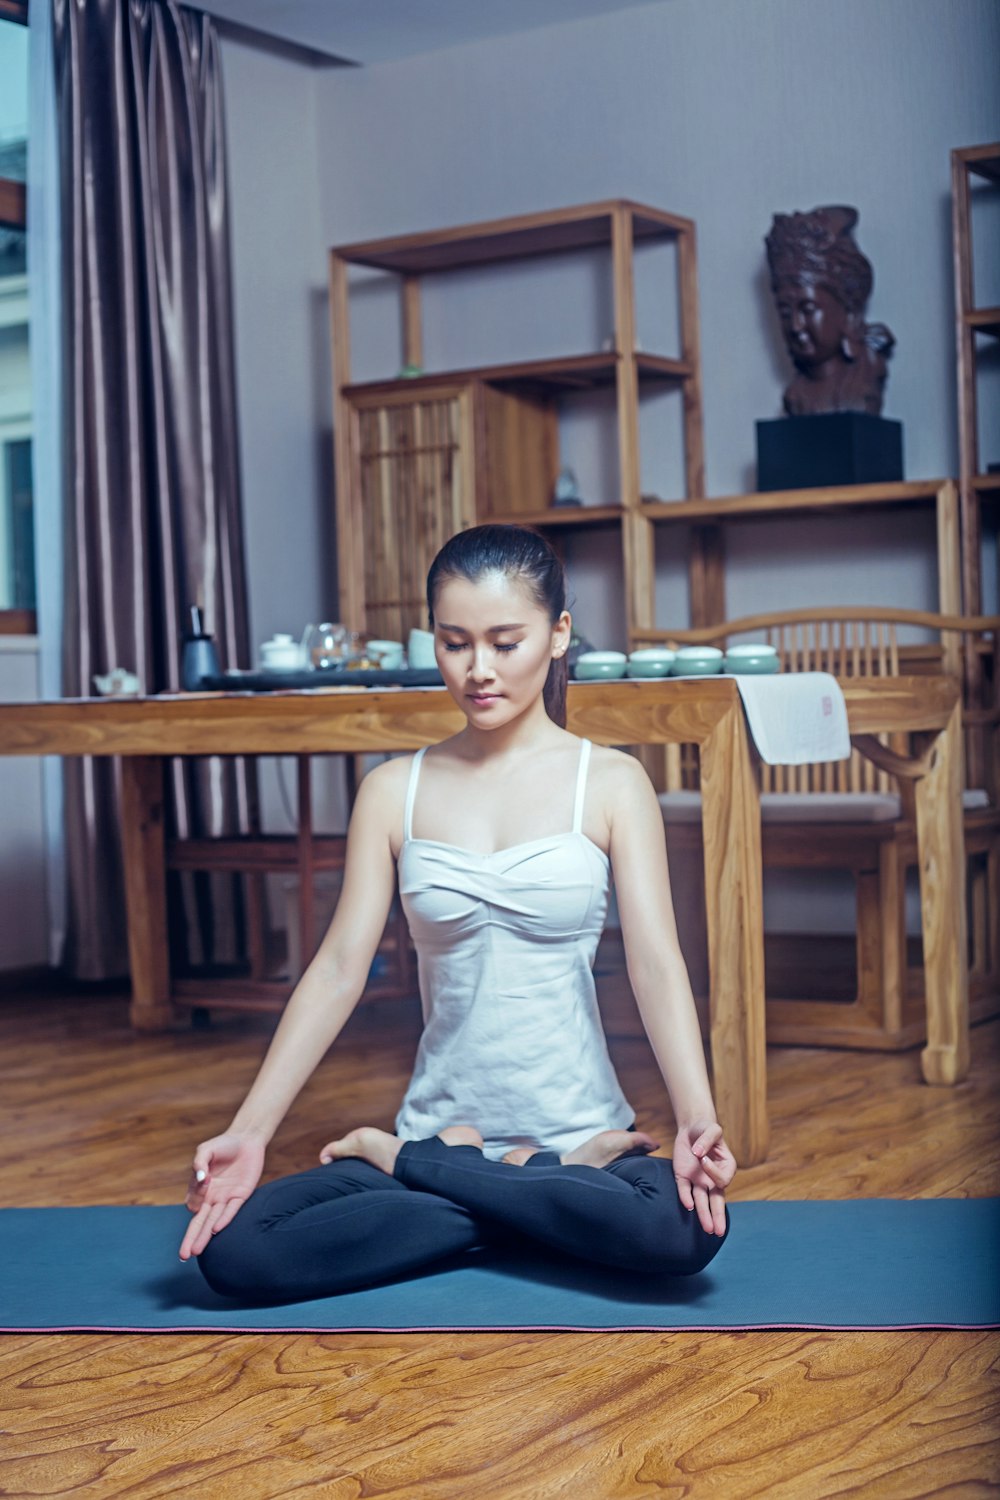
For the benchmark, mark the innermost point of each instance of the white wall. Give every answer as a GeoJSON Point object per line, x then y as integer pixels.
{"type": "Point", "coordinates": [282, 333]}
{"type": "Point", "coordinates": [282, 363]}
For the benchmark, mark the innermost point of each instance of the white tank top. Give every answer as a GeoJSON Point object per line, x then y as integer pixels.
{"type": "Point", "coordinates": [512, 1039]}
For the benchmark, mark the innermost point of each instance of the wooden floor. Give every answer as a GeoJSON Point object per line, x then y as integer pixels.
{"type": "Point", "coordinates": [91, 1113]}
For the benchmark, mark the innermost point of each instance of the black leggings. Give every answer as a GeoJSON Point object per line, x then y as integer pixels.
{"type": "Point", "coordinates": [348, 1225]}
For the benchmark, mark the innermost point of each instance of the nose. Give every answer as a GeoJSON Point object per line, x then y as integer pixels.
{"type": "Point", "coordinates": [481, 665]}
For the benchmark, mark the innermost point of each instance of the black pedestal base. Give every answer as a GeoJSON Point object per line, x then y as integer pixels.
{"type": "Point", "coordinates": [837, 447]}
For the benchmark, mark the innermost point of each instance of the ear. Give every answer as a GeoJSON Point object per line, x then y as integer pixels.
{"type": "Point", "coordinates": [561, 633]}
{"type": "Point", "coordinates": [851, 343]}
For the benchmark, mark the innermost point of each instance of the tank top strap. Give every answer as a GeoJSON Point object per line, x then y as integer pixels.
{"type": "Point", "coordinates": [581, 785]}
{"type": "Point", "coordinates": [411, 792]}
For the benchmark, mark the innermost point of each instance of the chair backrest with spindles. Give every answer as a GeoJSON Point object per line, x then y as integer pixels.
{"type": "Point", "coordinates": [858, 642]}
{"type": "Point", "coordinates": [845, 648]}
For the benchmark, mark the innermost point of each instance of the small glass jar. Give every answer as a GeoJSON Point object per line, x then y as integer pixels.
{"type": "Point", "coordinates": [327, 646]}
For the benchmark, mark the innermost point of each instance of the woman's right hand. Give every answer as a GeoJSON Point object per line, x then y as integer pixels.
{"type": "Point", "coordinates": [224, 1173]}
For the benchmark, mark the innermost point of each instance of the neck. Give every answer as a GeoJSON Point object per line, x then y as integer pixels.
{"type": "Point", "coordinates": [528, 732]}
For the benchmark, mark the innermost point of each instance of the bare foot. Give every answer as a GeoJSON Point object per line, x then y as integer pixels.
{"type": "Point", "coordinates": [377, 1147]}
{"type": "Point", "coordinates": [608, 1146]}
{"type": "Point", "coordinates": [461, 1135]}
{"type": "Point", "coordinates": [520, 1155]}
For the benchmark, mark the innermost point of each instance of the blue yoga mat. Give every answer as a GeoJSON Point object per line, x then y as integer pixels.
{"type": "Point", "coordinates": [870, 1263]}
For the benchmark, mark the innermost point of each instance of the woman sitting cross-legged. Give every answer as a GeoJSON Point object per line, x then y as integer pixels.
{"type": "Point", "coordinates": [514, 1125]}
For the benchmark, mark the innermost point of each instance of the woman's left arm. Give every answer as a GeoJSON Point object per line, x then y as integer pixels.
{"type": "Point", "coordinates": [703, 1163]}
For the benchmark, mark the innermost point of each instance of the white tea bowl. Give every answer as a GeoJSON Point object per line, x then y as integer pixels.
{"type": "Point", "coordinates": [697, 661]}
{"type": "Point", "coordinates": [651, 661]}
{"type": "Point", "coordinates": [752, 648]}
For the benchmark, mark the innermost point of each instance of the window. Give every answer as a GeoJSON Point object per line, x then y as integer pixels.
{"type": "Point", "coordinates": [17, 565]}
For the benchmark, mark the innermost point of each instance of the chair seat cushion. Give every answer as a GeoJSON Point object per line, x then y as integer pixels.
{"type": "Point", "coordinates": [811, 807]}
{"type": "Point", "coordinates": [975, 799]}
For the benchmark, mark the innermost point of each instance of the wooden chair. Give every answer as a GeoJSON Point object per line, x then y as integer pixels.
{"type": "Point", "coordinates": [304, 855]}
{"type": "Point", "coordinates": [856, 815]}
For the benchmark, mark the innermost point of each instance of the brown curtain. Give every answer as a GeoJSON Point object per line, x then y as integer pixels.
{"type": "Point", "coordinates": [152, 474]}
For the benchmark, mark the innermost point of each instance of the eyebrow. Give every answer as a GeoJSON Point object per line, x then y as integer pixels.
{"type": "Point", "coordinates": [492, 630]}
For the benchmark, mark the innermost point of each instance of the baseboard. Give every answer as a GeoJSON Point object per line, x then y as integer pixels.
{"type": "Point", "coordinates": [32, 979]}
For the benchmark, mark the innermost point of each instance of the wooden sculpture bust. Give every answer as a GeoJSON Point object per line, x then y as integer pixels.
{"type": "Point", "coordinates": [821, 283]}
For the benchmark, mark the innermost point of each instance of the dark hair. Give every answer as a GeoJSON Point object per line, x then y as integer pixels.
{"type": "Point", "coordinates": [514, 552]}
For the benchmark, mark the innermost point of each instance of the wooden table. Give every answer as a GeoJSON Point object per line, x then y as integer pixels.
{"type": "Point", "coordinates": [707, 712]}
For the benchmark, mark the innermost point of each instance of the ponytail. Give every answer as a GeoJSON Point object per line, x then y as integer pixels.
{"type": "Point", "coordinates": [554, 692]}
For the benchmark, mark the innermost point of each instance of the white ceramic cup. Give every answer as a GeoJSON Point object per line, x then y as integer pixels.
{"type": "Point", "coordinates": [388, 654]}
{"type": "Point", "coordinates": [420, 650]}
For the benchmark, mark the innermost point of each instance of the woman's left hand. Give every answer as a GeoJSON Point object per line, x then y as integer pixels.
{"type": "Point", "coordinates": [704, 1167]}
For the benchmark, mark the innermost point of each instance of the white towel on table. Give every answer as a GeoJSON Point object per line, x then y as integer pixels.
{"type": "Point", "coordinates": [796, 718]}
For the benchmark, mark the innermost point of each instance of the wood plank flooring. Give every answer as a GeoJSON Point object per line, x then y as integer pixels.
{"type": "Point", "coordinates": [91, 1113]}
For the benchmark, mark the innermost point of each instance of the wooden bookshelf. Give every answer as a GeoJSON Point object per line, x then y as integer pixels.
{"type": "Point", "coordinates": [564, 517]}
{"type": "Point", "coordinates": [579, 371]}
{"type": "Point", "coordinates": [419, 457]}
{"type": "Point", "coordinates": [708, 518]}
{"type": "Point", "coordinates": [792, 502]}
{"type": "Point", "coordinates": [971, 322]}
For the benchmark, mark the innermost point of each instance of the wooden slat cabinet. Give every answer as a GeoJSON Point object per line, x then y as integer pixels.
{"type": "Point", "coordinates": [415, 483]}
{"type": "Point", "coordinates": [429, 463]}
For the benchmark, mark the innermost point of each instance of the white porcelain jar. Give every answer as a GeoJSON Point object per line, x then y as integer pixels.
{"type": "Point", "coordinates": [282, 653]}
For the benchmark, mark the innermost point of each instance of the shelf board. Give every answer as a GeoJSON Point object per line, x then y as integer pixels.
{"type": "Point", "coordinates": [983, 160]}
{"type": "Point", "coordinates": [564, 517]}
{"type": "Point", "coordinates": [785, 502]}
{"type": "Point", "coordinates": [658, 367]}
{"type": "Point", "coordinates": [986, 483]}
{"type": "Point", "coordinates": [983, 320]}
{"type": "Point", "coordinates": [566, 229]}
{"type": "Point", "coordinates": [575, 371]}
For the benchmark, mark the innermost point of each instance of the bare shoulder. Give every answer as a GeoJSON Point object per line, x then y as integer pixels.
{"type": "Point", "coordinates": [618, 775]}
{"type": "Point", "coordinates": [621, 786]}
{"type": "Point", "coordinates": [390, 777]}
{"type": "Point", "coordinates": [382, 796]}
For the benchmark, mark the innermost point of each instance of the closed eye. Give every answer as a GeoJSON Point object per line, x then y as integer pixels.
{"type": "Point", "coordinates": [463, 646]}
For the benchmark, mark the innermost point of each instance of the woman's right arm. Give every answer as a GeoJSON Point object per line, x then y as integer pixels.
{"type": "Point", "coordinates": [227, 1168]}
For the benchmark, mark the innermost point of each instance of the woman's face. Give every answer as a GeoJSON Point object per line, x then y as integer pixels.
{"type": "Point", "coordinates": [494, 644]}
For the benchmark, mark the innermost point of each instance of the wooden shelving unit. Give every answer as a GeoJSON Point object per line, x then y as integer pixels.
{"type": "Point", "coordinates": [971, 321]}
{"type": "Point", "coordinates": [770, 503]}
{"type": "Point", "coordinates": [417, 459]}
{"type": "Point", "coordinates": [420, 458]}
{"type": "Point", "coordinates": [565, 518]}
{"type": "Point", "coordinates": [709, 518]}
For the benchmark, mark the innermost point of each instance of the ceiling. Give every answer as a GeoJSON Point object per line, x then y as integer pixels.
{"type": "Point", "coordinates": [374, 31]}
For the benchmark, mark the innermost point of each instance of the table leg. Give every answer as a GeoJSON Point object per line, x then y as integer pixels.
{"type": "Point", "coordinates": [735, 917]}
{"type": "Point", "coordinates": [145, 892]}
{"type": "Point", "coordinates": [941, 853]}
